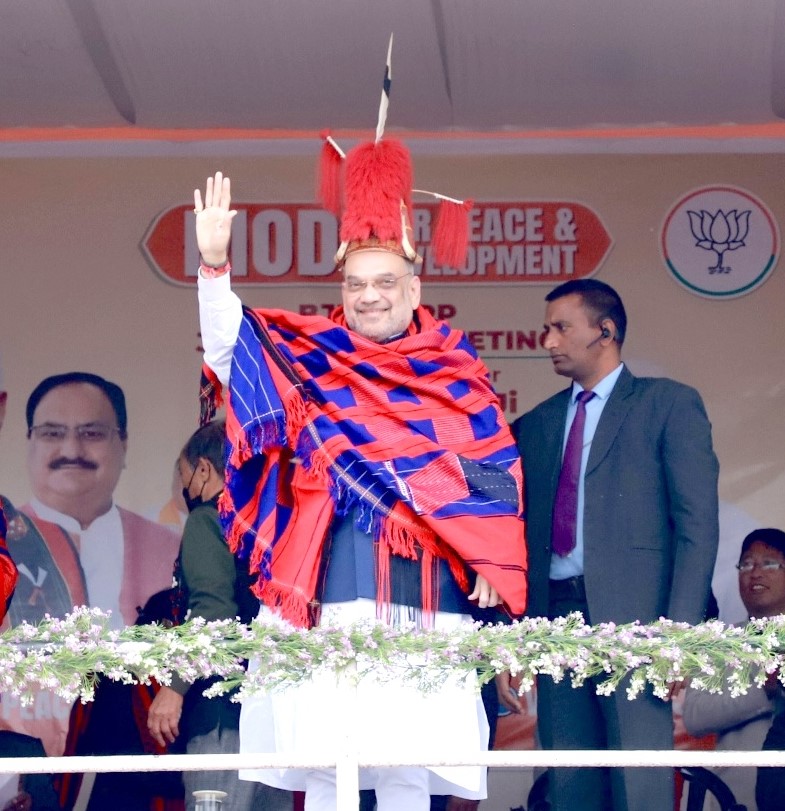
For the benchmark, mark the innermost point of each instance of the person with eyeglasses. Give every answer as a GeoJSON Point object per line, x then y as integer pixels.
{"type": "Point", "coordinates": [73, 544]}
{"type": "Point", "coordinates": [742, 722]}
{"type": "Point", "coordinates": [376, 477]}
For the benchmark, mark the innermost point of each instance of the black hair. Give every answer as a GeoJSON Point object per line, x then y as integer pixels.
{"type": "Point", "coordinates": [600, 299]}
{"type": "Point", "coordinates": [775, 538]}
{"type": "Point", "coordinates": [208, 442]}
{"type": "Point", "coordinates": [112, 391]}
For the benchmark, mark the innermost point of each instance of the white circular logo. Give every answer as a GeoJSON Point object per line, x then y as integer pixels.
{"type": "Point", "coordinates": [720, 242]}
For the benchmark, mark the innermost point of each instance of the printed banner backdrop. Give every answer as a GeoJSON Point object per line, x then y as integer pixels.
{"type": "Point", "coordinates": [99, 276]}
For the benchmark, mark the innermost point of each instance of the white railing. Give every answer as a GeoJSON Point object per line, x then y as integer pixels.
{"type": "Point", "coordinates": [347, 764]}
{"type": "Point", "coordinates": [762, 648]}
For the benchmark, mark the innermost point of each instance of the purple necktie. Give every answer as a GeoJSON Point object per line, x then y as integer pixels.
{"type": "Point", "coordinates": [565, 506]}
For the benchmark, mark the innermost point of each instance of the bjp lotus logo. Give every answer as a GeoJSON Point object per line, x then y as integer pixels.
{"type": "Point", "coordinates": [720, 220]}
{"type": "Point", "coordinates": [721, 232]}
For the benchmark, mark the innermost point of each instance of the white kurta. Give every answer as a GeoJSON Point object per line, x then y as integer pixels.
{"type": "Point", "coordinates": [101, 546]}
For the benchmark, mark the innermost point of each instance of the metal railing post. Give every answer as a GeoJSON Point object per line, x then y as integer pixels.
{"type": "Point", "coordinates": [347, 766]}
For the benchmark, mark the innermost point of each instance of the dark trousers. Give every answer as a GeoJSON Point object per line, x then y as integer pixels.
{"type": "Point", "coordinates": [38, 786]}
{"type": "Point", "coordinates": [577, 718]}
{"type": "Point", "coordinates": [770, 784]}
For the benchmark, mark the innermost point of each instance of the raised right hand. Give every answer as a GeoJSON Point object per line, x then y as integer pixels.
{"type": "Point", "coordinates": [214, 220]}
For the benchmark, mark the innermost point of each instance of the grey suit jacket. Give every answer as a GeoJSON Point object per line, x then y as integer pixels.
{"type": "Point", "coordinates": [650, 523]}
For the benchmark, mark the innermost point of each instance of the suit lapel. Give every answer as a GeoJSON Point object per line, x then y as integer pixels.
{"type": "Point", "coordinates": [613, 415]}
{"type": "Point", "coordinates": [553, 434]}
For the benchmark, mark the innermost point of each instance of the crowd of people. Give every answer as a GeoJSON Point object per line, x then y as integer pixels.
{"type": "Point", "coordinates": [364, 469]}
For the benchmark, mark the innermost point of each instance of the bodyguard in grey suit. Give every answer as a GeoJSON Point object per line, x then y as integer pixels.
{"type": "Point", "coordinates": [644, 533]}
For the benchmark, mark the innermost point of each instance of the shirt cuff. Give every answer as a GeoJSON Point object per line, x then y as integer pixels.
{"type": "Point", "coordinates": [178, 685]}
{"type": "Point", "coordinates": [215, 288]}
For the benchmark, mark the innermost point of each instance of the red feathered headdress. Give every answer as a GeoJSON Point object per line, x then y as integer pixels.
{"type": "Point", "coordinates": [375, 182]}
{"type": "Point", "coordinates": [377, 196]}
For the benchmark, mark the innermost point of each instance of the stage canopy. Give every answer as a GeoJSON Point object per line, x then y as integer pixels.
{"type": "Point", "coordinates": [536, 68]}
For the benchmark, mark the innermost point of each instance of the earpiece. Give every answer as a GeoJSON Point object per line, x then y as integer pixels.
{"type": "Point", "coordinates": [604, 333]}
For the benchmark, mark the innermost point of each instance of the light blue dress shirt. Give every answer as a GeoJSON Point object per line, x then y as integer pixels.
{"type": "Point", "coordinates": [572, 564]}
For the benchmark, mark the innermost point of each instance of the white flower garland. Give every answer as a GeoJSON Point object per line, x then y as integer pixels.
{"type": "Point", "coordinates": [66, 655]}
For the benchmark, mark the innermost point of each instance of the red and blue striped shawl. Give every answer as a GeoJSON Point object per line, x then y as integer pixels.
{"type": "Point", "coordinates": [408, 434]}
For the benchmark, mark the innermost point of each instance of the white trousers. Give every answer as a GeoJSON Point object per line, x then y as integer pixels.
{"type": "Point", "coordinates": [387, 716]}
{"type": "Point", "coordinates": [405, 788]}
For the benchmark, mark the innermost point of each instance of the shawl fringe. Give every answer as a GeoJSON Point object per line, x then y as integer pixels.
{"type": "Point", "coordinates": [292, 606]}
{"type": "Point", "coordinates": [297, 461]}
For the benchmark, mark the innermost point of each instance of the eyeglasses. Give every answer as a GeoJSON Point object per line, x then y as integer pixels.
{"type": "Point", "coordinates": [747, 566]}
{"type": "Point", "coordinates": [382, 283]}
{"type": "Point", "coordinates": [90, 432]}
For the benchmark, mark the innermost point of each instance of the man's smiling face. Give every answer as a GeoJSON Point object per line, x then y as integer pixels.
{"type": "Point", "coordinates": [762, 588]}
{"type": "Point", "coordinates": [75, 452]}
{"type": "Point", "coordinates": [380, 294]}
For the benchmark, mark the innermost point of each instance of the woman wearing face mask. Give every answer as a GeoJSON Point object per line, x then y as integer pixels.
{"type": "Point", "coordinates": [215, 585]}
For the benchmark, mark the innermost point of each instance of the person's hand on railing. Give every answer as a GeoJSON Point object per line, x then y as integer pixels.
{"type": "Point", "coordinates": [508, 695]}
{"type": "Point", "coordinates": [674, 688]}
{"type": "Point", "coordinates": [22, 802]}
{"type": "Point", "coordinates": [163, 717]}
